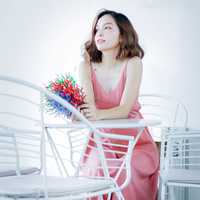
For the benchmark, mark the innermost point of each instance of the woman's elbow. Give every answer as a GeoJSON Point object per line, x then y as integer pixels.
{"type": "Point", "coordinates": [126, 110]}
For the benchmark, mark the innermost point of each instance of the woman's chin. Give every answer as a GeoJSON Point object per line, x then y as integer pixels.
{"type": "Point", "coordinates": [104, 49]}
{"type": "Point", "coordinates": [101, 48]}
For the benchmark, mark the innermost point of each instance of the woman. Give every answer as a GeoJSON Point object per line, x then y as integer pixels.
{"type": "Point", "coordinates": [111, 75]}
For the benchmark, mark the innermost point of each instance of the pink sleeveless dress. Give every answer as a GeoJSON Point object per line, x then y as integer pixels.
{"type": "Point", "coordinates": [145, 158]}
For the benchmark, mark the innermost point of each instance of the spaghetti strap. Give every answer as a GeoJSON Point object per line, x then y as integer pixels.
{"type": "Point", "coordinates": [125, 68]}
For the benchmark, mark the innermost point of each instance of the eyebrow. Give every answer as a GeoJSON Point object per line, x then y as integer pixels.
{"type": "Point", "coordinates": [105, 24]}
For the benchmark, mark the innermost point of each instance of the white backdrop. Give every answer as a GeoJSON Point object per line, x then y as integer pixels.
{"type": "Point", "coordinates": [39, 39]}
{"type": "Point", "coordinates": [42, 38]}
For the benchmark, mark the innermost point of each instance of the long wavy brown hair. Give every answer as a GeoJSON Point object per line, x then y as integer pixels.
{"type": "Point", "coordinates": [129, 42]}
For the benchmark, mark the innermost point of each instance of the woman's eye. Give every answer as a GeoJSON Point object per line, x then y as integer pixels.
{"type": "Point", "coordinates": [107, 27]}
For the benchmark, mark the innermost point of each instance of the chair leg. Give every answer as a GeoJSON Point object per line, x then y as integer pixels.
{"type": "Point", "coordinates": [101, 197]}
{"type": "Point", "coordinates": [119, 195]}
{"type": "Point", "coordinates": [172, 193]}
{"type": "Point", "coordinates": [163, 191]}
{"type": "Point", "coordinates": [109, 196]}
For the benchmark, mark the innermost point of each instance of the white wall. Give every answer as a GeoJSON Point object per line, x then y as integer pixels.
{"type": "Point", "coordinates": [39, 39]}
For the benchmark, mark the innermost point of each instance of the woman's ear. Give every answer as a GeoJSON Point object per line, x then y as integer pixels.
{"type": "Point", "coordinates": [120, 40]}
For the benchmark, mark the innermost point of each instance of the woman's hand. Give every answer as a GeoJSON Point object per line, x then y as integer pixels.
{"type": "Point", "coordinates": [74, 118]}
{"type": "Point", "coordinates": [90, 111]}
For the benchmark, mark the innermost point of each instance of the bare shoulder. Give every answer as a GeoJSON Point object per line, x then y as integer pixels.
{"type": "Point", "coordinates": [135, 61]}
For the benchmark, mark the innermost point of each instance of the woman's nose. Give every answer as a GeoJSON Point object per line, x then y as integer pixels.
{"type": "Point", "coordinates": [100, 33]}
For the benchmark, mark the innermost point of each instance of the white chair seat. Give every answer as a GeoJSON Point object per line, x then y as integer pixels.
{"type": "Point", "coordinates": [31, 170]}
{"type": "Point", "coordinates": [28, 186]}
{"type": "Point", "coordinates": [182, 176]}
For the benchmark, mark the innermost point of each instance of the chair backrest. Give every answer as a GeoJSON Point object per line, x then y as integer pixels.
{"type": "Point", "coordinates": [8, 150]}
{"type": "Point", "coordinates": [21, 120]}
{"type": "Point", "coordinates": [106, 146]}
{"type": "Point", "coordinates": [170, 111]}
{"type": "Point", "coordinates": [91, 153]}
{"type": "Point", "coordinates": [180, 155]}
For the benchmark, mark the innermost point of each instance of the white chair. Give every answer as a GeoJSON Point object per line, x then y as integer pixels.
{"type": "Point", "coordinates": [180, 163]}
{"type": "Point", "coordinates": [31, 126]}
{"type": "Point", "coordinates": [171, 111]}
{"type": "Point", "coordinates": [174, 116]}
{"type": "Point", "coordinates": [11, 151]}
{"type": "Point", "coordinates": [19, 153]}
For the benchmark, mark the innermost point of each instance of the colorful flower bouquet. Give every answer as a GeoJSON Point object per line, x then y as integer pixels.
{"type": "Point", "coordinates": [66, 87]}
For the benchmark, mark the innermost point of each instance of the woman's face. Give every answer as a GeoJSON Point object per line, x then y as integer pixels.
{"type": "Point", "coordinates": [107, 33]}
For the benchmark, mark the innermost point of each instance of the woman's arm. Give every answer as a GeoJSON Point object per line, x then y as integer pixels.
{"type": "Point", "coordinates": [130, 94]}
{"type": "Point", "coordinates": [84, 74]}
